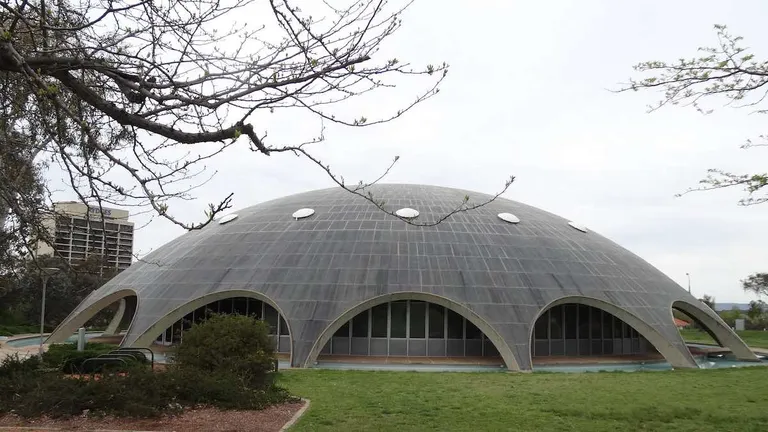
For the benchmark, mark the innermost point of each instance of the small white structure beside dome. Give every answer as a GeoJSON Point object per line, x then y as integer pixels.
{"type": "Point", "coordinates": [509, 217]}
{"type": "Point", "coordinates": [303, 213]}
{"type": "Point", "coordinates": [578, 226]}
{"type": "Point", "coordinates": [227, 218]}
{"type": "Point", "coordinates": [407, 213]}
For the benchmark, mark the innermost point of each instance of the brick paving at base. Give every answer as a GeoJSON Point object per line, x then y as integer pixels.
{"type": "Point", "coordinates": [488, 361]}
{"type": "Point", "coordinates": [270, 419]}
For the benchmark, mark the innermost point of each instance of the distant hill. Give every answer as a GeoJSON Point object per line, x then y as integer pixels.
{"type": "Point", "coordinates": [730, 306]}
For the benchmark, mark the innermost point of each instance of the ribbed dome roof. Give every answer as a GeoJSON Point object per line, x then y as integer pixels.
{"type": "Point", "coordinates": [317, 267]}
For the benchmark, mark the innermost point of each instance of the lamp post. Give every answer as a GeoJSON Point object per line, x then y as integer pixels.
{"type": "Point", "coordinates": [689, 282]}
{"type": "Point", "coordinates": [47, 272]}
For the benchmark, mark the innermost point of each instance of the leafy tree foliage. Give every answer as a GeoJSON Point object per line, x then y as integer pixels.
{"type": "Point", "coordinates": [756, 283]}
{"type": "Point", "coordinates": [727, 70]}
{"type": "Point", "coordinates": [709, 301]}
{"type": "Point", "coordinates": [756, 310]}
{"type": "Point", "coordinates": [730, 316]}
{"type": "Point", "coordinates": [21, 195]}
{"type": "Point", "coordinates": [21, 292]}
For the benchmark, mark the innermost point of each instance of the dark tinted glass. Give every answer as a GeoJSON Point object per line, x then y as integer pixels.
{"type": "Point", "coordinates": [399, 315]}
{"type": "Point", "coordinates": [379, 320]}
{"type": "Point", "coordinates": [418, 319]}
{"type": "Point", "coordinates": [240, 304]}
{"type": "Point", "coordinates": [617, 330]}
{"type": "Point", "coordinates": [254, 308]}
{"type": "Point", "coordinates": [472, 331]}
{"type": "Point", "coordinates": [596, 324]}
{"type": "Point", "coordinates": [343, 331]}
{"type": "Point", "coordinates": [226, 306]}
{"type": "Point", "coordinates": [556, 322]}
{"type": "Point", "coordinates": [270, 315]}
{"type": "Point", "coordinates": [570, 321]}
{"type": "Point", "coordinates": [584, 321]}
{"type": "Point", "coordinates": [607, 326]}
{"type": "Point", "coordinates": [436, 321]}
{"type": "Point", "coordinates": [455, 325]}
{"type": "Point", "coordinates": [540, 330]}
{"type": "Point", "coordinates": [360, 325]}
{"type": "Point", "coordinates": [283, 327]}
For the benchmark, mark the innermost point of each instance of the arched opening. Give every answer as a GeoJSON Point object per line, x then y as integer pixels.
{"type": "Point", "coordinates": [122, 315]}
{"type": "Point", "coordinates": [98, 314]}
{"type": "Point", "coordinates": [692, 330]}
{"type": "Point", "coordinates": [409, 328]}
{"type": "Point", "coordinates": [709, 323]}
{"type": "Point", "coordinates": [412, 328]}
{"type": "Point", "coordinates": [579, 329]}
{"type": "Point", "coordinates": [112, 322]}
{"type": "Point", "coordinates": [169, 329]}
{"type": "Point", "coordinates": [174, 333]}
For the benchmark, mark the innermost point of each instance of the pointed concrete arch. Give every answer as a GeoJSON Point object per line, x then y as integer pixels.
{"type": "Point", "coordinates": [76, 320]}
{"type": "Point", "coordinates": [145, 339]}
{"type": "Point", "coordinates": [717, 328]}
{"type": "Point", "coordinates": [114, 324]}
{"type": "Point", "coordinates": [123, 316]}
{"type": "Point", "coordinates": [506, 353]}
{"type": "Point", "coordinates": [674, 355]}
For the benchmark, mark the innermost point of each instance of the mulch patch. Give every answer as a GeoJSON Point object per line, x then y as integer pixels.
{"type": "Point", "coordinates": [200, 419]}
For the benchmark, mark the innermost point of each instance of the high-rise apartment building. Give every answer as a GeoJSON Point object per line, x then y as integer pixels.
{"type": "Point", "coordinates": [78, 232]}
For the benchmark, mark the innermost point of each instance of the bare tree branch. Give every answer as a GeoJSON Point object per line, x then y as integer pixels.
{"type": "Point", "coordinates": [119, 86]}
{"type": "Point", "coordinates": [134, 99]}
{"type": "Point", "coordinates": [728, 71]}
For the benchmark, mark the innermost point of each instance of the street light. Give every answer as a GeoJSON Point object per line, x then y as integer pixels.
{"type": "Point", "coordinates": [47, 272]}
{"type": "Point", "coordinates": [689, 282]}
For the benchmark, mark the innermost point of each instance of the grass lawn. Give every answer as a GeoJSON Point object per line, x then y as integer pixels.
{"type": "Point", "coordinates": [753, 338]}
{"type": "Point", "coordinates": [699, 400]}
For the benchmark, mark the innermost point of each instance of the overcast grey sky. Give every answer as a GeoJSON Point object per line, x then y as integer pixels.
{"type": "Point", "coordinates": [527, 96]}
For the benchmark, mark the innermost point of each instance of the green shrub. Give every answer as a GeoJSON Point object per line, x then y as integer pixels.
{"type": "Point", "coordinates": [235, 344]}
{"type": "Point", "coordinates": [67, 358]}
{"type": "Point", "coordinates": [222, 389]}
{"type": "Point", "coordinates": [13, 364]}
{"type": "Point", "coordinates": [139, 393]}
{"type": "Point", "coordinates": [225, 363]}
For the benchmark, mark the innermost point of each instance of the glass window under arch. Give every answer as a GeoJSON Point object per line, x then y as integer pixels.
{"type": "Point", "coordinates": [379, 320]}
{"type": "Point", "coordinates": [571, 321]}
{"type": "Point", "coordinates": [584, 312]}
{"type": "Point", "coordinates": [360, 325]}
{"type": "Point", "coordinates": [472, 331]}
{"type": "Point", "coordinates": [541, 328]}
{"type": "Point", "coordinates": [436, 321]}
{"type": "Point", "coordinates": [418, 319]}
{"type": "Point", "coordinates": [556, 322]}
{"type": "Point", "coordinates": [399, 319]}
{"type": "Point", "coordinates": [455, 325]}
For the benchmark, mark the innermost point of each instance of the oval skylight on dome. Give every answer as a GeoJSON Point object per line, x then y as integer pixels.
{"type": "Point", "coordinates": [227, 218]}
{"type": "Point", "coordinates": [578, 226]}
{"type": "Point", "coordinates": [303, 213]}
{"type": "Point", "coordinates": [407, 213]}
{"type": "Point", "coordinates": [509, 217]}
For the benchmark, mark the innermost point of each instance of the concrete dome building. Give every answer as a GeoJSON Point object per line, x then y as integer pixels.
{"type": "Point", "coordinates": [333, 275]}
